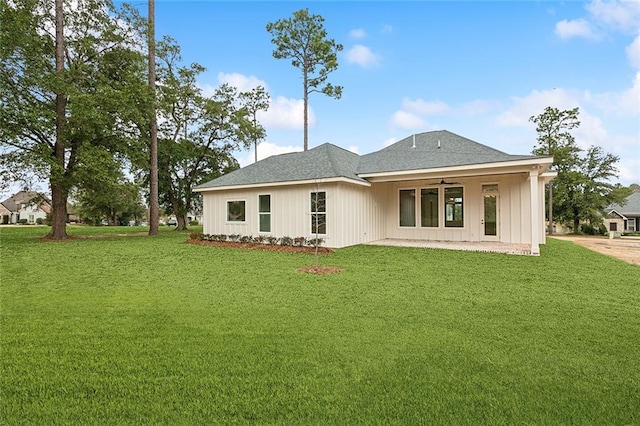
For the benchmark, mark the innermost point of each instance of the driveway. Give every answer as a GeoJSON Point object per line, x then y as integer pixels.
{"type": "Point", "coordinates": [625, 248]}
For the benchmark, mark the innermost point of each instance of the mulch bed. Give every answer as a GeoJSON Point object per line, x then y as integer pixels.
{"type": "Point", "coordinates": [263, 247]}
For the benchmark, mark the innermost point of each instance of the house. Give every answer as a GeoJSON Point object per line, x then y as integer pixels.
{"type": "Point", "coordinates": [625, 217]}
{"type": "Point", "coordinates": [430, 186]}
{"type": "Point", "coordinates": [27, 205]}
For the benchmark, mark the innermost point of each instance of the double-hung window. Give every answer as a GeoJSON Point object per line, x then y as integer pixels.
{"type": "Point", "coordinates": [319, 212]}
{"type": "Point", "coordinates": [264, 212]}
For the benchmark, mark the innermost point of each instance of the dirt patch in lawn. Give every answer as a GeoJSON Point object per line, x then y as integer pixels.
{"type": "Point", "coordinates": [263, 247]}
{"type": "Point", "coordinates": [625, 249]}
{"type": "Point", "coordinates": [320, 270]}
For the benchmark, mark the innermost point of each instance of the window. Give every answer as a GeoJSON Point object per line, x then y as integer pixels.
{"type": "Point", "coordinates": [407, 207]}
{"type": "Point", "coordinates": [631, 224]}
{"type": "Point", "coordinates": [235, 211]}
{"type": "Point", "coordinates": [264, 213]}
{"type": "Point", "coordinates": [613, 226]}
{"type": "Point", "coordinates": [453, 214]}
{"type": "Point", "coordinates": [429, 207]}
{"type": "Point", "coordinates": [319, 212]}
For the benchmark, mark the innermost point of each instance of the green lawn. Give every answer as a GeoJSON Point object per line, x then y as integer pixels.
{"type": "Point", "coordinates": [153, 330]}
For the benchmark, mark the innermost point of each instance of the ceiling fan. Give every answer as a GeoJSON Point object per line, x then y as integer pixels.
{"type": "Point", "coordinates": [444, 182]}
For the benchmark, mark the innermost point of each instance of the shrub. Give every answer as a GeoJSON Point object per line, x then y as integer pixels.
{"type": "Point", "coordinates": [39, 221]}
{"type": "Point", "coordinates": [585, 228]}
{"type": "Point", "coordinates": [315, 242]}
{"type": "Point", "coordinates": [234, 237]}
{"type": "Point", "coordinates": [196, 236]}
{"type": "Point", "coordinates": [23, 221]}
{"type": "Point", "coordinates": [246, 239]}
{"type": "Point", "coordinates": [299, 241]}
{"type": "Point", "coordinates": [272, 240]}
{"type": "Point", "coordinates": [194, 222]}
{"type": "Point", "coordinates": [286, 241]}
{"type": "Point", "coordinates": [260, 239]}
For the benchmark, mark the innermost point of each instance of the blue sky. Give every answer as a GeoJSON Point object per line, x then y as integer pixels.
{"type": "Point", "coordinates": [476, 68]}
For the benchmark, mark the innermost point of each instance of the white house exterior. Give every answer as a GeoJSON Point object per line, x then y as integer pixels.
{"type": "Point", "coordinates": [25, 205]}
{"type": "Point", "coordinates": [431, 186]}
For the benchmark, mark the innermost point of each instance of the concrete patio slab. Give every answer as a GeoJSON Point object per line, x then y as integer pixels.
{"type": "Point", "coordinates": [483, 246]}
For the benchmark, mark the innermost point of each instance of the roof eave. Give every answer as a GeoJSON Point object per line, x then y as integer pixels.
{"type": "Point", "coordinates": [516, 166]}
{"type": "Point", "coordinates": [285, 183]}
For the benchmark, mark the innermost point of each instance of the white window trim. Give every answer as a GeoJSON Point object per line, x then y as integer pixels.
{"type": "Point", "coordinates": [419, 207]}
{"type": "Point", "coordinates": [635, 223]}
{"type": "Point", "coordinates": [465, 195]}
{"type": "Point", "coordinates": [416, 209]}
{"type": "Point", "coordinates": [325, 213]}
{"type": "Point", "coordinates": [269, 213]}
{"type": "Point", "coordinates": [226, 211]}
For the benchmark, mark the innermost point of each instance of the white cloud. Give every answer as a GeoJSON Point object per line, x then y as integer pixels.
{"type": "Point", "coordinates": [422, 107]}
{"type": "Point", "coordinates": [533, 104]}
{"type": "Point", "coordinates": [633, 52]}
{"type": "Point", "coordinates": [617, 15]}
{"type": "Point", "coordinates": [362, 55]}
{"type": "Point", "coordinates": [266, 150]}
{"type": "Point", "coordinates": [358, 33]}
{"type": "Point", "coordinates": [407, 120]}
{"type": "Point", "coordinates": [624, 104]}
{"type": "Point", "coordinates": [242, 82]}
{"type": "Point", "coordinates": [574, 28]}
{"type": "Point", "coordinates": [285, 113]}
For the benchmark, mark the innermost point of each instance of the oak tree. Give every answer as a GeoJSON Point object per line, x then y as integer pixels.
{"type": "Point", "coordinates": [73, 88]}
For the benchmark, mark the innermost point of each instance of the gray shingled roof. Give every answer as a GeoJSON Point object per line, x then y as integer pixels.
{"type": "Point", "coordinates": [454, 150]}
{"type": "Point", "coordinates": [330, 161]}
{"type": "Point", "coordinates": [322, 162]}
{"type": "Point", "coordinates": [630, 208]}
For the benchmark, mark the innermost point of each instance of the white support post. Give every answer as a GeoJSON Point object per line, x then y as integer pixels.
{"type": "Point", "coordinates": [535, 212]}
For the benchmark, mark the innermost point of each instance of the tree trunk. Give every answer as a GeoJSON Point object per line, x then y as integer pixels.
{"type": "Point", "coordinates": [306, 110]}
{"type": "Point", "coordinates": [57, 178]}
{"type": "Point", "coordinates": [576, 225]}
{"type": "Point", "coordinates": [154, 205]}
{"type": "Point", "coordinates": [182, 222]}
{"type": "Point", "coordinates": [59, 211]}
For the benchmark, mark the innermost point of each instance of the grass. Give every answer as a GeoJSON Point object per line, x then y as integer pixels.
{"type": "Point", "coordinates": [152, 330]}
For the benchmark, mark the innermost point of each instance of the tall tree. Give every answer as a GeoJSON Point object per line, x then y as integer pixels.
{"type": "Point", "coordinates": [303, 39]}
{"type": "Point", "coordinates": [154, 207]}
{"type": "Point", "coordinates": [57, 111]}
{"type": "Point", "coordinates": [197, 134]}
{"type": "Point", "coordinates": [254, 101]}
{"type": "Point", "coordinates": [555, 139]}
{"type": "Point", "coordinates": [585, 189]}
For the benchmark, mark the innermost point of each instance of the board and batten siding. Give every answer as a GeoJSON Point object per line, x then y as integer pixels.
{"type": "Point", "coordinates": [348, 208]}
{"type": "Point", "coordinates": [514, 209]}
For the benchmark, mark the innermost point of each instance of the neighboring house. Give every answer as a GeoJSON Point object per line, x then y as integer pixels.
{"type": "Point", "coordinates": [625, 217]}
{"type": "Point", "coordinates": [5, 215]}
{"type": "Point", "coordinates": [28, 205]}
{"type": "Point", "coordinates": [429, 186]}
